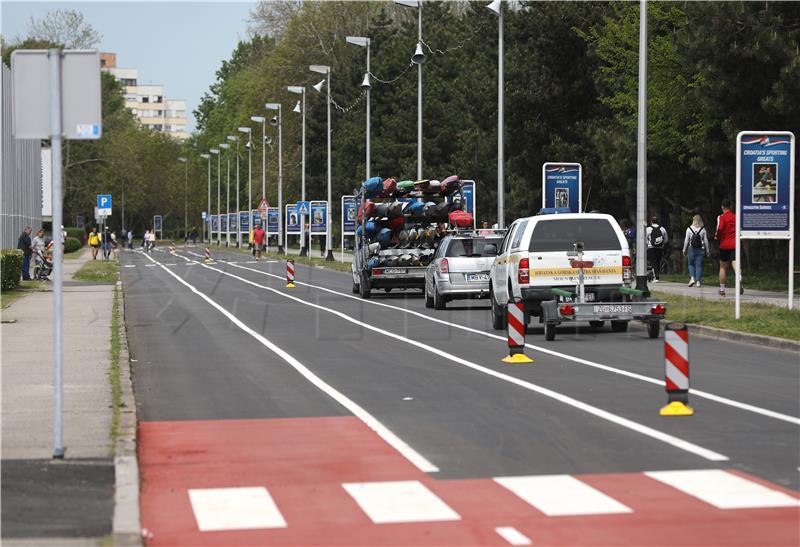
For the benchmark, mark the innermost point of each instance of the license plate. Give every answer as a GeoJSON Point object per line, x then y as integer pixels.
{"type": "Point", "coordinates": [613, 309]}
{"type": "Point", "coordinates": [394, 271]}
{"type": "Point", "coordinates": [478, 278]}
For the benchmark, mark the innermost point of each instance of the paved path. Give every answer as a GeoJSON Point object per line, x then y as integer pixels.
{"type": "Point", "coordinates": [296, 416]}
{"type": "Point", "coordinates": [711, 292]}
{"type": "Point", "coordinates": [41, 497]}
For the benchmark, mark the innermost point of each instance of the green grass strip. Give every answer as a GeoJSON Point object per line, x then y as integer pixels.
{"type": "Point", "coordinates": [113, 375]}
{"type": "Point", "coordinates": [98, 271]}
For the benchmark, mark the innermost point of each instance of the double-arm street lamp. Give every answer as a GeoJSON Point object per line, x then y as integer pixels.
{"type": "Point", "coordinates": [364, 42]}
{"type": "Point", "coordinates": [249, 147]}
{"type": "Point", "coordinates": [226, 146]}
{"type": "Point", "coordinates": [185, 163]}
{"type": "Point", "coordinates": [215, 151]}
{"type": "Point", "coordinates": [418, 59]}
{"type": "Point", "coordinates": [208, 209]}
{"type": "Point", "coordinates": [497, 7]}
{"type": "Point", "coordinates": [278, 120]}
{"type": "Point", "coordinates": [325, 69]}
{"type": "Point", "coordinates": [302, 110]}
{"type": "Point", "coordinates": [263, 121]}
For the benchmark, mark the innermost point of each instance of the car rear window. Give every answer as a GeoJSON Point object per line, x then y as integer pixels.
{"type": "Point", "coordinates": [596, 234]}
{"type": "Point", "coordinates": [471, 247]}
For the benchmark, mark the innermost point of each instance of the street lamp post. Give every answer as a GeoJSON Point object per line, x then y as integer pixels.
{"type": "Point", "coordinates": [641, 156]}
{"type": "Point", "coordinates": [185, 163]}
{"type": "Point", "coordinates": [226, 146]}
{"type": "Point", "coordinates": [235, 138]}
{"type": "Point", "coordinates": [215, 151]}
{"type": "Point", "coordinates": [363, 41]}
{"type": "Point", "coordinates": [208, 209]}
{"type": "Point", "coordinates": [263, 121]}
{"type": "Point", "coordinates": [325, 69]}
{"type": "Point", "coordinates": [249, 147]}
{"type": "Point", "coordinates": [278, 120]}
{"type": "Point", "coordinates": [418, 59]}
{"type": "Point", "coordinates": [497, 7]}
{"type": "Point", "coordinates": [302, 109]}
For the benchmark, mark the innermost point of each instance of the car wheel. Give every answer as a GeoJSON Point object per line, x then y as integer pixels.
{"type": "Point", "coordinates": [596, 324]}
{"type": "Point", "coordinates": [619, 326]}
{"type": "Point", "coordinates": [356, 288]}
{"type": "Point", "coordinates": [439, 301]}
{"type": "Point", "coordinates": [549, 331]}
{"type": "Point", "coordinates": [428, 299]}
{"type": "Point", "coordinates": [499, 314]}
{"type": "Point", "coordinates": [364, 288]}
{"type": "Point", "coordinates": [653, 327]}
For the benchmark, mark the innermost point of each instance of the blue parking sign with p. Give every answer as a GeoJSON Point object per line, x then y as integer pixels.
{"type": "Point", "coordinates": [104, 201]}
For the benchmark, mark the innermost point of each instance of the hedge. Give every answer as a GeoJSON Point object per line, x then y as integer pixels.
{"type": "Point", "coordinates": [71, 245]}
{"type": "Point", "coordinates": [11, 268]}
{"type": "Point", "coordinates": [77, 233]}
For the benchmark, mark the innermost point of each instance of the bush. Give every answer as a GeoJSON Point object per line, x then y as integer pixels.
{"type": "Point", "coordinates": [71, 245]}
{"type": "Point", "coordinates": [11, 268]}
{"type": "Point", "coordinates": [77, 233]}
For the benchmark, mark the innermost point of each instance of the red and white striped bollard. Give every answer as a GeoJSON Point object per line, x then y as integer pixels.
{"type": "Point", "coordinates": [516, 334]}
{"type": "Point", "coordinates": [676, 370]}
{"type": "Point", "coordinates": [207, 255]}
{"type": "Point", "coordinates": [289, 273]}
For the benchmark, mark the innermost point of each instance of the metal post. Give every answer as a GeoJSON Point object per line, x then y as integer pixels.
{"type": "Point", "coordinates": [208, 219]}
{"type": "Point", "coordinates": [419, 102]}
{"type": "Point", "coordinates": [791, 225]}
{"type": "Point", "coordinates": [641, 160]}
{"type": "Point", "coordinates": [368, 116]}
{"type": "Point", "coordinates": [228, 203]}
{"type": "Point", "coordinates": [219, 197]}
{"type": "Point", "coordinates": [328, 210]}
{"type": "Point", "coordinates": [500, 115]}
{"type": "Point", "coordinates": [250, 176]}
{"type": "Point", "coordinates": [185, 196]}
{"type": "Point", "coordinates": [58, 253]}
{"type": "Point", "coordinates": [238, 193]}
{"type": "Point", "coordinates": [303, 235]}
{"type": "Point", "coordinates": [280, 177]}
{"type": "Point", "coordinates": [264, 159]}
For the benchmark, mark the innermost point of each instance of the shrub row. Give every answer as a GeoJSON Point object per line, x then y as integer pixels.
{"type": "Point", "coordinates": [77, 233]}
{"type": "Point", "coordinates": [71, 244]}
{"type": "Point", "coordinates": [11, 268]}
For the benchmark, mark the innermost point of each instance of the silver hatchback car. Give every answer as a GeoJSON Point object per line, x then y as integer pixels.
{"type": "Point", "coordinates": [460, 268]}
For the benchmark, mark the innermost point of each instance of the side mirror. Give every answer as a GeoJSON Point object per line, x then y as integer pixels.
{"type": "Point", "coordinates": [490, 250]}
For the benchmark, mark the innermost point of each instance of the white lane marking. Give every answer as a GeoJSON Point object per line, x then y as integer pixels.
{"type": "Point", "coordinates": [591, 409]}
{"type": "Point", "coordinates": [399, 501]}
{"type": "Point", "coordinates": [396, 442]}
{"type": "Point", "coordinates": [245, 508]}
{"type": "Point", "coordinates": [130, 265]}
{"type": "Point", "coordinates": [561, 495]}
{"type": "Point", "coordinates": [724, 490]}
{"type": "Point", "coordinates": [660, 382]}
{"type": "Point", "coordinates": [512, 535]}
{"type": "Point", "coordinates": [171, 264]}
{"type": "Point", "coordinates": [149, 265]}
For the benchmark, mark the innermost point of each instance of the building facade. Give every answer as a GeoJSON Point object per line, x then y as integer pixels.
{"type": "Point", "coordinates": [149, 102]}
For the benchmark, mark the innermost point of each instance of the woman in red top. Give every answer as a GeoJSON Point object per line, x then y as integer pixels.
{"type": "Point", "coordinates": [726, 235]}
{"type": "Point", "coordinates": [258, 240]}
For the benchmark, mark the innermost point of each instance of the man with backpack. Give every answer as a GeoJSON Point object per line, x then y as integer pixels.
{"type": "Point", "coordinates": [656, 242]}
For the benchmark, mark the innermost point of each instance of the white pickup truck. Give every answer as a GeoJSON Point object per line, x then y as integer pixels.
{"type": "Point", "coordinates": [569, 267]}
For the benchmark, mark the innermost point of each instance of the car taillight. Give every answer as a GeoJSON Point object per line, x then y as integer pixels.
{"type": "Point", "coordinates": [626, 261]}
{"type": "Point", "coordinates": [444, 267]}
{"type": "Point", "coordinates": [376, 271]}
{"type": "Point", "coordinates": [523, 274]}
{"type": "Point", "coordinates": [566, 309]}
{"type": "Point", "coordinates": [658, 310]}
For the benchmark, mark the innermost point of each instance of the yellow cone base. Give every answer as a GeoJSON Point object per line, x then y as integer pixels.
{"type": "Point", "coordinates": [290, 285]}
{"type": "Point", "coordinates": [517, 359]}
{"type": "Point", "coordinates": [677, 408]}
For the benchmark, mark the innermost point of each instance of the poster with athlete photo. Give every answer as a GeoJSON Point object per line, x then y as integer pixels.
{"type": "Point", "coordinates": [562, 198]}
{"type": "Point", "coordinates": [765, 183]}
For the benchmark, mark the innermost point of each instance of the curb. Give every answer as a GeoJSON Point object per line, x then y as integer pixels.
{"type": "Point", "coordinates": [746, 337]}
{"type": "Point", "coordinates": [126, 528]}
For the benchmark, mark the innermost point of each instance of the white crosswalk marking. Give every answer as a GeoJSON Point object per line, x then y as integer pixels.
{"type": "Point", "coordinates": [399, 501]}
{"type": "Point", "coordinates": [245, 508]}
{"type": "Point", "coordinates": [512, 535]}
{"type": "Point", "coordinates": [724, 490]}
{"type": "Point", "coordinates": [561, 495]}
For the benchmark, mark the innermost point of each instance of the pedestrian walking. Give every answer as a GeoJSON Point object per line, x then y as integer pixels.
{"type": "Point", "coordinates": [151, 241]}
{"type": "Point", "coordinates": [695, 244]}
{"type": "Point", "coordinates": [193, 235]}
{"type": "Point", "coordinates": [94, 242]}
{"type": "Point", "coordinates": [250, 240]}
{"type": "Point", "coordinates": [24, 245]}
{"type": "Point", "coordinates": [38, 244]}
{"type": "Point", "coordinates": [114, 244]}
{"type": "Point", "coordinates": [630, 235]}
{"type": "Point", "coordinates": [145, 239]}
{"type": "Point", "coordinates": [726, 235]}
{"type": "Point", "coordinates": [105, 243]}
{"type": "Point", "coordinates": [130, 240]}
{"type": "Point", "coordinates": [656, 242]}
{"type": "Point", "coordinates": [258, 240]}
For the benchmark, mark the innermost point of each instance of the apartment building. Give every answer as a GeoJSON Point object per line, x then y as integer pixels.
{"type": "Point", "coordinates": [148, 102]}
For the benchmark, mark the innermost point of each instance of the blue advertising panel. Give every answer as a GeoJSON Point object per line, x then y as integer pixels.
{"type": "Point", "coordinates": [224, 223]}
{"type": "Point", "coordinates": [232, 222]}
{"type": "Point", "coordinates": [349, 214]}
{"type": "Point", "coordinates": [244, 222]}
{"type": "Point", "coordinates": [255, 218]}
{"type": "Point", "coordinates": [765, 176]}
{"type": "Point", "coordinates": [157, 223]}
{"type": "Point", "coordinates": [273, 221]}
{"type": "Point", "coordinates": [319, 217]}
{"type": "Point", "coordinates": [214, 223]}
{"type": "Point", "coordinates": [562, 186]}
{"type": "Point", "coordinates": [292, 219]}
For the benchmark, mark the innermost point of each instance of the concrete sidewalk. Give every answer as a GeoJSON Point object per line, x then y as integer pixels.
{"type": "Point", "coordinates": [48, 501]}
{"type": "Point", "coordinates": [711, 292]}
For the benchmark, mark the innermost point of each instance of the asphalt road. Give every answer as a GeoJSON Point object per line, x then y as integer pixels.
{"type": "Point", "coordinates": [228, 341]}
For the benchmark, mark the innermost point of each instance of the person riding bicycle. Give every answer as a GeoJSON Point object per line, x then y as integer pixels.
{"type": "Point", "coordinates": [656, 243]}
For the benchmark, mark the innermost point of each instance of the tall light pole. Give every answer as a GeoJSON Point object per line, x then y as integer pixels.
{"type": "Point", "coordinates": [226, 146]}
{"type": "Point", "coordinates": [263, 121]}
{"type": "Point", "coordinates": [278, 120]}
{"type": "Point", "coordinates": [302, 110]}
{"type": "Point", "coordinates": [418, 59]}
{"type": "Point", "coordinates": [208, 209]}
{"type": "Point", "coordinates": [325, 69]}
{"type": "Point", "coordinates": [641, 155]}
{"type": "Point", "coordinates": [185, 163]}
{"type": "Point", "coordinates": [363, 41]}
{"type": "Point", "coordinates": [497, 7]}
{"type": "Point", "coordinates": [235, 138]}
{"type": "Point", "coordinates": [215, 151]}
{"type": "Point", "coordinates": [249, 147]}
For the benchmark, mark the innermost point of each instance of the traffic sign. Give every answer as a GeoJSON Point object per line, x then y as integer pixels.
{"type": "Point", "coordinates": [204, 215]}
{"type": "Point", "coordinates": [104, 203]}
{"type": "Point", "coordinates": [262, 207]}
{"type": "Point", "coordinates": [303, 207]}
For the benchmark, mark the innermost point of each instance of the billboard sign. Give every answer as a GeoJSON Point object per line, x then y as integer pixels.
{"type": "Point", "coordinates": [244, 222]}
{"type": "Point", "coordinates": [273, 221]}
{"type": "Point", "coordinates": [292, 219]}
{"type": "Point", "coordinates": [319, 217]}
{"type": "Point", "coordinates": [349, 215]}
{"type": "Point", "coordinates": [223, 223]}
{"type": "Point", "coordinates": [214, 223]}
{"type": "Point", "coordinates": [562, 186]}
{"type": "Point", "coordinates": [232, 224]}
